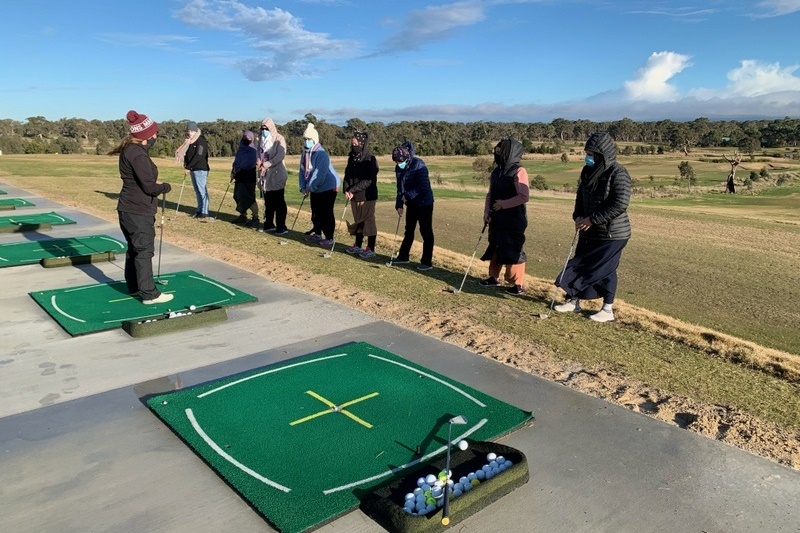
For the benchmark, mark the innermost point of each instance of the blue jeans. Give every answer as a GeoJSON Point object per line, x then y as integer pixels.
{"type": "Point", "coordinates": [199, 178]}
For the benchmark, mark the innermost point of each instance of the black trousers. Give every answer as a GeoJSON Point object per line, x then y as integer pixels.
{"type": "Point", "coordinates": [275, 208]}
{"type": "Point", "coordinates": [322, 215]}
{"type": "Point", "coordinates": [140, 234]}
{"type": "Point", "coordinates": [424, 216]}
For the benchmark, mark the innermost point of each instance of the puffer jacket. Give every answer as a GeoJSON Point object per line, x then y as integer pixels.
{"type": "Point", "coordinates": [604, 192]}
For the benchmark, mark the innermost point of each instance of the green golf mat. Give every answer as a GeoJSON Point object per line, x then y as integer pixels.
{"type": "Point", "coordinates": [12, 223]}
{"type": "Point", "coordinates": [304, 440]}
{"type": "Point", "coordinates": [13, 203]}
{"type": "Point", "coordinates": [102, 306]}
{"type": "Point", "coordinates": [3, 192]}
{"type": "Point", "coordinates": [24, 253]}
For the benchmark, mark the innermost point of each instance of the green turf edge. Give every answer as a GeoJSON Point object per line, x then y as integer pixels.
{"type": "Point", "coordinates": [203, 317]}
{"type": "Point", "coordinates": [55, 262]}
{"type": "Point", "coordinates": [21, 228]}
{"type": "Point", "coordinates": [384, 505]}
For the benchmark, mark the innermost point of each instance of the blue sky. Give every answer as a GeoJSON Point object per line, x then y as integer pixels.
{"type": "Point", "coordinates": [469, 60]}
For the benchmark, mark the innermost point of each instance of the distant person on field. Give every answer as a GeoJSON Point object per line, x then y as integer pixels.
{"type": "Point", "coordinates": [243, 173]}
{"type": "Point", "coordinates": [320, 182]}
{"type": "Point", "coordinates": [361, 188]}
{"type": "Point", "coordinates": [415, 199]}
{"type": "Point", "coordinates": [272, 176]}
{"type": "Point", "coordinates": [601, 217]}
{"type": "Point", "coordinates": [504, 211]}
{"type": "Point", "coordinates": [195, 163]}
{"type": "Point", "coordinates": [138, 204]}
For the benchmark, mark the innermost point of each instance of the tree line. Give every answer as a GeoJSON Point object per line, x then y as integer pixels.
{"type": "Point", "coordinates": [76, 135]}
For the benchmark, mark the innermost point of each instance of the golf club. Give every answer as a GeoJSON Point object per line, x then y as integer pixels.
{"type": "Point", "coordinates": [453, 289]}
{"type": "Point", "coordinates": [183, 184]}
{"type": "Point", "coordinates": [394, 241]}
{"type": "Point", "coordinates": [223, 199]}
{"type": "Point", "coordinates": [284, 242]}
{"type": "Point", "coordinates": [543, 316]}
{"type": "Point", "coordinates": [161, 241]}
{"type": "Point", "coordinates": [459, 420]}
{"type": "Point", "coordinates": [328, 254]}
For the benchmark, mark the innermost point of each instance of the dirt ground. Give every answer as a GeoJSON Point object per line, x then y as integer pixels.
{"type": "Point", "coordinates": [717, 422]}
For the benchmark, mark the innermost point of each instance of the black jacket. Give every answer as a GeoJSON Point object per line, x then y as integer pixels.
{"type": "Point", "coordinates": [604, 192]}
{"type": "Point", "coordinates": [139, 194]}
{"type": "Point", "coordinates": [196, 157]}
{"type": "Point", "coordinates": [361, 175]}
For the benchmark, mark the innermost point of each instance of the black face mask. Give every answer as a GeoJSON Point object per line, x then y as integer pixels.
{"type": "Point", "coordinates": [356, 148]}
{"type": "Point", "coordinates": [245, 141]}
{"type": "Point", "coordinates": [149, 143]}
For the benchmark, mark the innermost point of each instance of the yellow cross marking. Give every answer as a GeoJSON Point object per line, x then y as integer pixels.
{"type": "Point", "coordinates": [333, 408]}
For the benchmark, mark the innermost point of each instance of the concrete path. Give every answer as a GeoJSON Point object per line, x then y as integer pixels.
{"type": "Point", "coordinates": [79, 452]}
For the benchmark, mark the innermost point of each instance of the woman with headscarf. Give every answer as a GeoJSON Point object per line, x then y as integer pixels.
{"type": "Point", "coordinates": [137, 206]}
{"type": "Point", "coordinates": [272, 176]}
{"type": "Point", "coordinates": [243, 172]}
{"type": "Point", "coordinates": [320, 182]}
{"type": "Point", "coordinates": [601, 217]}
{"type": "Point", "coordinates": [504, 211]}
{"type": "Point", "coordinates": [361, 189]}
{"type": "Point", "coordinates": [415, 198]}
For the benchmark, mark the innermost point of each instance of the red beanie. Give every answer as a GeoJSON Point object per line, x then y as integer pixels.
{"type": "Point", "coordinates": [141, 126]}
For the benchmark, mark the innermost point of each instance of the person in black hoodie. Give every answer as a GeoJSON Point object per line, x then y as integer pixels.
{"type": "Point", "coordinates": [504, 211]}
{"type": "Point", "coordinates": [137, 206]}
{"type": "Point", "coordinates": [361, 189]}
{"type": "Point", "coordinates": [415, 198]}
{"type": "Point", "coordinates": [195, 163]}
{"type": "Point", "coordinates": [601, 217]}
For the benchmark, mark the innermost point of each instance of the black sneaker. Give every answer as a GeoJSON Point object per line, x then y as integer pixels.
{"type": "Point", "coordinates": [421, 267]}
{"type": "Point", "coordinates": [241, 219]}
{"type": "Point", "coordinates": [489, 282]}
{"type": "Point", "coordinates": [283, 231]}
{"type": "Point", "coordinates": [400, 261]}
{"type": "Point", "coordinates": [516, 290]}
{"type": "Point", "coordinates": [310, 232]}
{"type": "Point", "coordinates": [253, 223]}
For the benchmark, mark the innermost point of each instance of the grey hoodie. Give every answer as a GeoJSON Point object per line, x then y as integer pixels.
{"type": "Point", "coordinates": [272, 169]}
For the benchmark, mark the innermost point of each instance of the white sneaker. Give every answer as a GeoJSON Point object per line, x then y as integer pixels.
{"type": "Point", "coordinates": [161, 299]}
{"type": "Point", "coordinates": [602, 316]}
{"type": "Point", "coordinates": [570, 306]}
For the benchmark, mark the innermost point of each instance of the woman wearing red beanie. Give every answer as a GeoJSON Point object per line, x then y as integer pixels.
{"type": "Point", "coordinates": [138, 204]}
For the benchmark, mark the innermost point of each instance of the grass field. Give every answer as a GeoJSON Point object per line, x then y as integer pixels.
{"type": "Point", "coordinates": [717, 265]}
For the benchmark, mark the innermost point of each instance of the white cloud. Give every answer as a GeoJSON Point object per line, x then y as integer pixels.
{"type": "Point", "coordinates": [144, 40]}
{"type": "Point", "coordinates": [777, 8]}
{"type": "Point", "coordinates": [434, 23]}
{"type": "Point", "coordinates": [652, 81]}
{"type": "Point", "coordinates": [286, 47]}
{"type": "Point", "coordinates": [755, 79]}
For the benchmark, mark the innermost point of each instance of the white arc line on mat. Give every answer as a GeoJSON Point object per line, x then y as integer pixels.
{"type": "Point", "coordinates": [57, 308]}
{"type": "Point", "coordinates": [429, 376]}
{"type": "Point", "coordinates": [248, 378]}
{"type": "Point", "coordinates": [396, 469]}
{"type": "Point", "coordinates": [223, 287]}
{"type": "Point", "coordinates": [224, 455]}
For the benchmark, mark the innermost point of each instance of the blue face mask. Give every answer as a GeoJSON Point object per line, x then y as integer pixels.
{"type": "Point", "coordinates": [589, 160]}
{"type": "Point", "coordinates": [402, 165]}
{"type": "Point", "coordinates": [309, 144]}
{"type": "Point", "coordinates": [265, 134]}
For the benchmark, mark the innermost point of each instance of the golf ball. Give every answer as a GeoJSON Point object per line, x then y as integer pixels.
{"type": "Point", "coordinates": [480, 474]}
{"type": "Point", "coordinates": [463, 445]}
{"type": "Point", "coordinates": [192, 308]}
{"type": "Point", "coordinates": [420, 482]}
{"type": "Point", "coordinates": [471, 476]}
{"type": "Point", "coordinates": [410, 496]}
{"type": "Point", "coordinates": [500, 459]}
{"type": "Point", "coordinates": [467, 487]}
{"type": "Point", "coordinates": [491, 456]}
{"type": "Point", "coordinates": [430, 479]}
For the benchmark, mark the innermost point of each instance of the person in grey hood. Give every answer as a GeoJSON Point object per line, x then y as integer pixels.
{"type": "Point", "coordinates": [601, 217]}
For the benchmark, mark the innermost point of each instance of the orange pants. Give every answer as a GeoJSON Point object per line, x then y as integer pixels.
{"type": "Point", "coordinates": [515, 274]}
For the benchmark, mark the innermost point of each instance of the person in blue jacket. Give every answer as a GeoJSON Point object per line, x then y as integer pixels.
{"type": "Point", "coordinates": [415, 199]}
{"type": "Point", "coordinates": [320, 182]}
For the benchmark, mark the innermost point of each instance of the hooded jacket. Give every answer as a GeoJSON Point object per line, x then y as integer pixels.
{"type": "Point", "coordinates": [273, 174]}
{"type": "Point", "coordinates": [604, 192]}
{"type": "Point", "coordinates": [361, 174]}
{"type": "Point", "coordinates": [316, 171]}
{"type": "Point", "coordinates": [413, 185]}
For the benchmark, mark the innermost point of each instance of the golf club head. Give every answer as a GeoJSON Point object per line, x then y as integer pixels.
{"type": "Point", "coordinates": [459, 420]}
{"type": "Point", "coordinates": [544, 316]}
{"type": "Point", "coordinates": [283, 243]}
{"type": "Point", "coordinates": [327, 255]}
{"type": "Point", "coordinates": [389, 264]}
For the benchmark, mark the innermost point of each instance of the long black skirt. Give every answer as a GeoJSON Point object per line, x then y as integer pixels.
{"type": "Point", "coordinates": [244, 190]}
{"type": "Point", "coordinates": [592, 273]}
